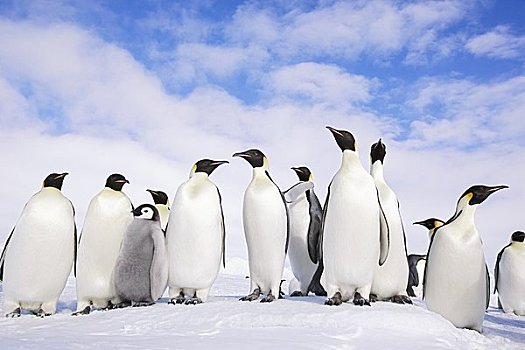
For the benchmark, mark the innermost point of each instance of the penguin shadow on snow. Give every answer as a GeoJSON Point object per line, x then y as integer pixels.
{"type": "Point", "coordinates": [505, 326]}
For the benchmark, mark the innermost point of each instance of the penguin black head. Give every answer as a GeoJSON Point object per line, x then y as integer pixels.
{"type": "Point", "coordinates": [55, 180]}
{"type": "Point", "coordinates": [159, 197]}
{"type": "Point", "coordinates": [253, 156]}
{"type": "Point", "coordinates": [146, 212]}
{"type": "Point", "coordinates": [430, 223]}
{"type": "Point", "coordinates": [116, 182]}
{"type": "Point", "coordinates": [378, 152]}
{"type": "Point", "coordinates": [207, 165]}
{"type": "Point", "coordinates": [478, 193]}
{"type": "Point", "coordinates": [518, 236]}
{"type": "Point", "coordinates": [303, 173]}
{"type": "Point", "coordinates": [345, 140]}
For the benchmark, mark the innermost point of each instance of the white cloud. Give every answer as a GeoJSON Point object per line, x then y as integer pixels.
{"type": "Point", "coordinates": [312, 82]}
{"type": "Point", "coordinates": [498, 43]}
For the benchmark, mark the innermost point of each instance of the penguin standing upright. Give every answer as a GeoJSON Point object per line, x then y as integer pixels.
{"type": "Point", "coordinates": [266, 228]}
{"type": "Point", "coordinates": [456, 283]}
{"type": "Point", "coordinates": [509, 274]}
{"type": "Point", "coordinates": [355, 233]}
{"type": "Point", "coordinates": [141, 269]}
{"type": "Point", "coordinates": [195, 236]}
{"type": "Point", "coordinates": [107, 218]}
{"type": "Point", "coordinates": [390, 279]}
{"type": "Point", "coordinates": [305, 215]}
{"type": "Point", "coordinates": [416, 262]}
{"type": "Point", "coordinates": [39, 253]}
{"type": "Point", "coordinates": [163, 207]}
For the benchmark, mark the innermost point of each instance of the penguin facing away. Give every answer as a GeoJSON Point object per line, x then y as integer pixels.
{"type": "Point", "coordinates": [266, 228]}
{"type": "Point", "coordinates": [354, 231]}
{"type": "Point", "coordinates": [107, 218]}
{"type": "Point", "coordinates": [141, 269]}
{"type": "Point", "coordinates": [509, 274]}
{"type": "Point", "coordinates": [195, 236]}
{"type": "Point", "coordinates": [163, 206]}
{"type": "Point", "coordinates": [390, 279]}
{"type": "Point", "coordinates": [40, 252]}
{"type": "Point", "coordinates": [416, 262]}
{"type": "Point", "coordinates": [455, 262]}
{"type": "Point", "coordinates": [305, 214]}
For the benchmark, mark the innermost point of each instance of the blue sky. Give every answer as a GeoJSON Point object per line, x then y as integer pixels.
{"type": "Point", "coordinates": [149, 87]}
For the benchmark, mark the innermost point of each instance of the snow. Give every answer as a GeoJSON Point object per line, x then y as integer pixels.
{"type": "Point", "coordinates": [225, 322]}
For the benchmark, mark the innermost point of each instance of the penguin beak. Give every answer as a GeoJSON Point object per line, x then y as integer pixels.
{"type": "Point", "coordinates": [493, 189]}
{"type": "Point", "coordinates": [334, 131]}
{"type": "Point", "coordinates": [122, 181]}
{"type": "Point", "coordinates": [216, 163]}
{"type": "Point", "coordinates": [242, 155]}
{"type": "Point", "coordinates": [153, 192]}
{"type": "Point", "coordinates": [61, 175]}
{"type": "Point", "coordinates": [297, 170]}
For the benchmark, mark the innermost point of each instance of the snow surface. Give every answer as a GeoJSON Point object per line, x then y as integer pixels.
{"type": "Point", "coordinates": [225, 322]}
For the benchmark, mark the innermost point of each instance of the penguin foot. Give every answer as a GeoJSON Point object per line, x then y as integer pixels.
{"type": "Point", "coordinates": [253, 296]}
{"type": "Point", "coordinates": [401, 299]}
{"type": "Point", "coordinates": [410, 292]}
{"type": "Point", "coordinates": [15, 313]}
{"type": "Point", "coordinates": [281, 293]}
{"type": "Point", "coordinates": [142, 303]}
{"type": "Point", "coordinates": [297, 293]}
{"type": "Point", "coordinates": [85, 311]}
{"type": "Point", "coordinates": [359, 300]}
{"type": "Point", "coordinates": [40, 313]}
{"type": "Point", "coordinates": [268, 299]}
{"type": "Point", "coordinates": [110, 306]}
{"type": "Point", "coordinates": [336, 300]}
{"type": "Point", "coordinates": [122, 305]}
{"type": "Point", "coordinates": [193, 301]}
{"type": "Point", "coordinates": [373, 298]}
{"type": "Point", "coordinates": [179, 299]}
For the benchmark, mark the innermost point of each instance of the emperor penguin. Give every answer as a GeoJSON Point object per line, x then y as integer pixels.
{"type": "Point", "coordinates": [266, 228]}
{"type": "Point", "coordinates": [509, 274]}
{"type": "Point", "coordinates": [141, 270]}
{"type": "Point", "coordinates": [416, 262]}
{"type": "Point", "coordinates": [456, 282]}
{"type": "Point", "coordinates": [163, 206]}
{"type": "Point", "coordinates": [40, 252]}
{"type": "Point", "coordinates": [305, 215]}
{"type": "Point", "coordinates": [390, 279]}
{"type": "Point", "coordinates": [107, 218]}
{"type": "Point", "coordinates": [354, 230]}
{"type": "Point", "coordinates": [195, 236]}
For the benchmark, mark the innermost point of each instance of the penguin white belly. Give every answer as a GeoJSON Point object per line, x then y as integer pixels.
{"type": "Point", "coordinates": [511, 280]}
{"type": "Point", "coordinates": [265, 226]}
{"type": "Point", "coordinates": [303, 268]}
{"type": "Point", "coordinates": [40, 255]}
{"type": "Point", "coordinates": [390, 279]}
{"type": "Point", "coordinates": [109, 214]}
{"type": "Point", "coordinates": [164, 214]}
{"type": "Point", "coordinates": [350, 236]}
{"type": "Point", "coordinates": [456, 278]}
{"type": "Point", "coordinates": [194, 237]}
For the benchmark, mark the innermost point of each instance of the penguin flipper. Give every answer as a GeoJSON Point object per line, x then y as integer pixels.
{"type": "Point", "coordinates": [4, 252]}
{"type": "Point", "coordinates": [314, 227]}
{"type": "Point", "coordinates": [291, 194]}
{"type": "Point", "coordinates": [315, 285]}
{"type": "Point", "coordinates": [223, 230]}
{"type": "Point", "coordinates": [384, 234]}
{"type": "Point", "coordinates": [159, 266]}
{"type": "Point", "coordinates": [286, 210]}
{"type": "Point", "coordinates": [496, 267]}
{"type": "Point", "coordinates": [487, 287]}
{"type": "Point", "coordinates": [75, 252]}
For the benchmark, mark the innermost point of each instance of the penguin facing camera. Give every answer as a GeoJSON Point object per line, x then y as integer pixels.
{"type": "Point", "coordinates": [40, 252]}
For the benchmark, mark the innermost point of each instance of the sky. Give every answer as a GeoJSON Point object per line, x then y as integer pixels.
{"type": "Point", "coordinates": [147, 88]}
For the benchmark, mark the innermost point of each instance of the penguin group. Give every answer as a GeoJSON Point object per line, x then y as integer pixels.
{"type": "Point", "coordinates": [350, 249]}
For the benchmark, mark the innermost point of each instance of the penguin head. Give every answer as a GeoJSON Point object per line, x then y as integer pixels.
{"type": "Point", "coordinates": [146, 212]}
{"type": "Point", "coordinates": [54, 180]}
{"type": "Point", "coordinates": [518, 236]}
{"type": "Point", "coordinates": [378, 152]}
{"type": "Point", "coordinates": [207, 166]}
{"type": "Point", "coordinates": [159, 197]}
{"type": "Point", "coordinates": [477, 194]}
{"type": "Point", "coordinates": [255, 157]}
{"type": "Point", "coordinates": [345, 140]}
{"type": "Point", "coordinates": [303, 173]}
{"type": "Point", "coordinates": [116, 182]}
{"type": "Point", "coordinates": [430, 223]}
